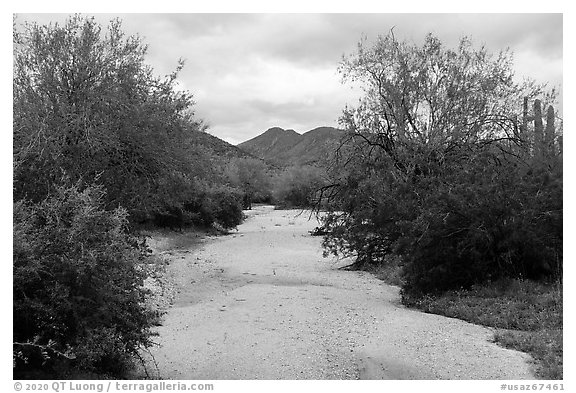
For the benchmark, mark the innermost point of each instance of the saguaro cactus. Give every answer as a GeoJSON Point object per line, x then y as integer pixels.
{"type": "Point", "coordinates": [538, 128]}
{"type": "Point", "coordinates": [550, 130]}
{"type": "Point", "coordinates": [544, 140]}
{"type": "Point", "coordinates": [524, 126]}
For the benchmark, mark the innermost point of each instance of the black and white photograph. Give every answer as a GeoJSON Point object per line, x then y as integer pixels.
{"type": "Point", "coordinates": [206, 197]}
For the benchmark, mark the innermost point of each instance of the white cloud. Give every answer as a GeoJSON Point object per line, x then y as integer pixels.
{"type": "Point", "coordinates": [529, 64]}
{"type": "Point", "coordinates": [280, 81]}
{"type": "Point", "coordinates": [249, 72]}
{"type": "Point", "coordinates": [266, 93]}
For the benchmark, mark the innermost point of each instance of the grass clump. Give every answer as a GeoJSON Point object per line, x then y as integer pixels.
{"type": "Point", "coordinates": [527, 314]}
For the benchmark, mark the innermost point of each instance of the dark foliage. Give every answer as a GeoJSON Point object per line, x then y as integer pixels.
{"type": "Point", "coordinates": [223, 206]}
{"type": "Point", "coordinates": [438, 170]}
{"type": "Point", "coordinates": [86, 106]}
{"type": "Point", "coordinates": [297, 186]}
{"type": "Point", "coordinates": [253, 177]}
{"type": "Point", "coordinates": [87, 109]}
{"type": "Point", "coordinates": [506, 222]}
{"type": "Point", "coordinates": [78, 295]}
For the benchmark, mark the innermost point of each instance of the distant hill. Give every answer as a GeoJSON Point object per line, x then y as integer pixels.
{"type": "Point", "coordinates": [271, 144]}
{"type": "Point", "coordinates": [287, 147]}
{"type": "Point", "coordinates": [219, 147]}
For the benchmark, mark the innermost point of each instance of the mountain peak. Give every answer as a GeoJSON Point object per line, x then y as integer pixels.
{"type": "Point", "coordinates": [279, 130]}
{"type": "Point", "coordinates": [287, 147]}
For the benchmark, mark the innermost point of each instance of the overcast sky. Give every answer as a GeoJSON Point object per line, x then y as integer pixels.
{"type": "Point", "coordinates": [250, 72]}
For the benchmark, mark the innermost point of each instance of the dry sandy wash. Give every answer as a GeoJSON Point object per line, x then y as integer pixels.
{"type": "Point", "coordinates": [262, 303]}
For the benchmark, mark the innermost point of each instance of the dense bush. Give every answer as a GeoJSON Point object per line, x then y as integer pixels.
{"type": "Point", "coordinates": [202, 206]}
{"type": "Point", "coordinates": [438, 169]}
{"type": "Point", "coordinates": [222, 205]}
{"type": "Point", "coordinates": [297, 186]}
{"type": "Point", "coordinates": [77, 292]}
{"type": "Point", "coordinates": [252, 176]}
{"type": "Point", "coordinates": [87, 106]}
{"type": "Point", "coordinates": [496, 225]}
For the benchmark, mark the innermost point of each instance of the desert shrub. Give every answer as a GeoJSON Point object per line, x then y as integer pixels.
{"type": "Point", "coordinates": [297, 186]}
{"type": "Point", "coordinates": [78, 295]}
{"type": "Point", "coordinates": [222, 205]}
{"type": "Point", "coordinates": [497, 225]}
{"type": "Point", "coordinates": [252, 176]}
{"type": "Point", "coordinates": [201, 205]}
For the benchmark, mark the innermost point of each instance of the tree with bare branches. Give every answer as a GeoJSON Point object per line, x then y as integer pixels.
{"type": "Point", "coordinates": [434, 167]}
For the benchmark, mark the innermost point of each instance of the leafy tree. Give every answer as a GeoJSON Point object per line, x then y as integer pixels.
{"type": "Point", "coordinates": [252, 176]}
{"type": "Point", "coordinates": [86, 106]}
{"type": "Point", "coordinates": [436, 167]}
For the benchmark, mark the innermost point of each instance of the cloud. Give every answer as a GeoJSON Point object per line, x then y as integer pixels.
{"type": "Point", "coordinates": [275, 93]}
{"type": "Point", "coordinates": [249, 72]}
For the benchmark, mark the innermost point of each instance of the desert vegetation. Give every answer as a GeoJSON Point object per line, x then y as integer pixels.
{"type": "Point", "coordinates": [101, 146]}
{"type": "Point", "coordinates": [297, 186]}
{"type": "Point", "coordinates": [450, 176]}
{"type": "Point", "coordinates": [446, 181]}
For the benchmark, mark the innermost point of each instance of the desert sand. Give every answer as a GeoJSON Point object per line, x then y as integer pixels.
{"type": "Point", "coordinates": [263, 303]}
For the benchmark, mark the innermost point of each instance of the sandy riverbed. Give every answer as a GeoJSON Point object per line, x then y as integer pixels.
{"type": "Point", "coordinates": [262, 303]}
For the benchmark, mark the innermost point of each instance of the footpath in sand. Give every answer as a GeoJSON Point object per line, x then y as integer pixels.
{"type": "Point", "coordinates": [262, 303]}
